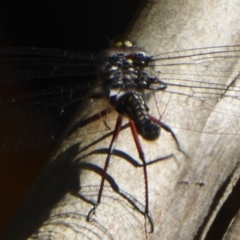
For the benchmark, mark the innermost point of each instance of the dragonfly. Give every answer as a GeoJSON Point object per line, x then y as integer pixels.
{"type": "Point", "coordinates": [191, 82]}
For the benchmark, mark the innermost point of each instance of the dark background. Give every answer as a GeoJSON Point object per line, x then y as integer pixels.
{"type": "Point", "coordinates": [84, 26]}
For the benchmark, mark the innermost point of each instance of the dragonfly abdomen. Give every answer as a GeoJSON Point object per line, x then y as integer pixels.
{"type": "Point", "coordinates": [132, 105]}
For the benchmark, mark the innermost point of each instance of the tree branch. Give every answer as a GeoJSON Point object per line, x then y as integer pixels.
{"type": "Point", "coordinates": [182, 188]}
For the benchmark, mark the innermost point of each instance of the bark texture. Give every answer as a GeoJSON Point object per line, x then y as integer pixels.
{"type": "Point", "coordinates": [182, 187]}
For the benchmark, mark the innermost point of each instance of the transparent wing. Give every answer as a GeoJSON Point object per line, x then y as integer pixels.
{"type": "Point", "coordinates": [200, 82]}
{"type": "Point", "coordinates": [203, 88]}
{"type": "Point", "coordinates": [19, 64]}
{"type": "Point", "coordinates": [40, 90]}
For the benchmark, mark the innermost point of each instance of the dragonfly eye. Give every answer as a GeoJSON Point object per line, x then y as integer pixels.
{"type": "Point", "coordinates": [125, 43]}
{"type": "Point", "coordinates": [128, 43]}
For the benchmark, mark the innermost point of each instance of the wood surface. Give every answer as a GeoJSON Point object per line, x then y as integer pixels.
{"type": "Point", "coordinates": [182, 187]}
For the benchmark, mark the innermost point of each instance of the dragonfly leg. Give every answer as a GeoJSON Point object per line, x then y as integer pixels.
{"type": "Point", "coordinates": [168, 129]}
{"type": "Point", "coordinates": [142, 157]}
{"type": "Point", "coordinates": [104, 174]}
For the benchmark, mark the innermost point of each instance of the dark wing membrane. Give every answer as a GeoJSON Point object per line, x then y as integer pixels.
{"type": "Point", "coordinates": [33, 118]}
{"type": "Point", "coordinates": [38, 118]}
{"type": "Point", "coordinates": [18, 64]}
{"type": "Point", "coordinates": [203, 84]}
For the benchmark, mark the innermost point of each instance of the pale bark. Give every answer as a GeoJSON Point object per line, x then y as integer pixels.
{"type": "Point", "coordinates": [179, 207]}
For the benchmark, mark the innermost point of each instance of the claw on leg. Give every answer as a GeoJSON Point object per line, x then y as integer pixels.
{"type": "Point", "coordinates": [91, 213]}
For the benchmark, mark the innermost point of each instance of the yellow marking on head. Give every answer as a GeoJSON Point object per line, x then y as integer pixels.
{"type": "Point", "coordinates": [128, 43]}
{"type": "Point", "coordinates": [119, 44]}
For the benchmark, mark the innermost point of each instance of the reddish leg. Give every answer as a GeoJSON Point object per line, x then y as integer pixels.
{"type": "Point", "coordinates": [142, 157]}
{"type": "Point", "coordinates": [110, 151]}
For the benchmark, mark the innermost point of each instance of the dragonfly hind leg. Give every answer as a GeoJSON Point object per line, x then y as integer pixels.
{"type": "Point", "coordinates": [168, 129]}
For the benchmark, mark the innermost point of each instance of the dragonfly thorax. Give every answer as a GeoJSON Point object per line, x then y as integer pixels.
{"type": "Point", "coordinates": [127, 68]}
{"type": "Point", "coordinates": [126, 75]}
